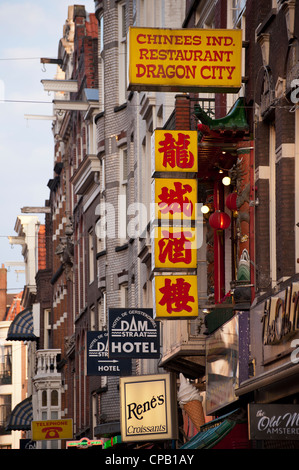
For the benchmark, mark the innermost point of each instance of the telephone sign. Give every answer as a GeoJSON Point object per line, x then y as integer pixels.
{"type": "Point", "coordinates": [52, 429]}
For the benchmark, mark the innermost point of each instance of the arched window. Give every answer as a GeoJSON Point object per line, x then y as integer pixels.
{"type": "Point", "coordinates": [44, 398]}
{"type": "Point", "coordinates": [54, 398]}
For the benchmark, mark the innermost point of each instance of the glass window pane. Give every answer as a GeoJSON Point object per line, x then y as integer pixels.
{"type": "Point", "coordinates": [54, 398]}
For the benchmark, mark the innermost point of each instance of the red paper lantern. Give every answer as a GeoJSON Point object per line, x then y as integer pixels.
{"type": "Point", "coordinates": [231, 201]}
{"type": "Point", "coordinates": [219, 220]}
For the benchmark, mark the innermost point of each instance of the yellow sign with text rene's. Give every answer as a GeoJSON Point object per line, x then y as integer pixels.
{"type": "Point", "coordinates": [185, 59]}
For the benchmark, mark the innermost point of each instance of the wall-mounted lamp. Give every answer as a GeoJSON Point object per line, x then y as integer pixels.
{"type": "Point", "coordinates": [226, 180]}
{"type": "Point", "coordinates": [206, 311]}
{"type": "Point", "coordinates": [205, 209]}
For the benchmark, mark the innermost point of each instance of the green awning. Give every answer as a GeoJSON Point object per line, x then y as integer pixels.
{"type": "Point", "coordinates": [112, 442]}
{"type": "Point", "coordinates": [214, 431]}
{"type": "Point", "coordinates": [217, 317]}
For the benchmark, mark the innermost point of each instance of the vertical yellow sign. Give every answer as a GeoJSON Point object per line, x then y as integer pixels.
{"type": "Point", "coordinates": [174, 247]}
{"type": "Point", "coordinates": [175, 199]}
{"type": "Point", "coordinates": [174, 151]}
{"type": "Point", "coordinates": [175, 296]}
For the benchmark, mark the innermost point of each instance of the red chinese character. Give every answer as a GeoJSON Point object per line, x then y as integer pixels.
{"type": "Point", "coordinates": [176, 296]}
{"type": "Point", "coordinates": [174, 200]}
{"type": "Point", "coordinates": [175, 246]}
{"type": "Point", "coordinates": [176, 152]}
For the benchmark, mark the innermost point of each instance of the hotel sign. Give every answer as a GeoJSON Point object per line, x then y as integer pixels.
{"type": "Point", "coordinates": [273, 422]}
{"type": "Point", "coordinates": [148, 408]}
{"type": "Point", "coordinates": [98, 360]}
{"type": "Point", "coordinates": [207, 60]}
{"type": "Point", "coordinates": [133, 333]}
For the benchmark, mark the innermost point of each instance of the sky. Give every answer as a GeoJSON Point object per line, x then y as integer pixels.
{"type": "Point", "coordinates": [29, 30]}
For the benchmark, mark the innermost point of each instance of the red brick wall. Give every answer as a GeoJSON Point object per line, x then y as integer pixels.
{"type": "Point", "coordinates": [182, 112]}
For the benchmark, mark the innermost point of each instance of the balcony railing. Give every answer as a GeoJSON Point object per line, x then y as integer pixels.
{"type": "Point", "coordinates": [183, 347]}
{"type": "Point", "coordinates": [47, 360]}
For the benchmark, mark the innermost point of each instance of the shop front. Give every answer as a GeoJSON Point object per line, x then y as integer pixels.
{"type": "Point", "coordinates": [272, 392]}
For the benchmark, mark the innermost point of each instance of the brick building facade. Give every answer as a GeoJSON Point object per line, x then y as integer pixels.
{"type": "Point", "coordinates": [248, 278]}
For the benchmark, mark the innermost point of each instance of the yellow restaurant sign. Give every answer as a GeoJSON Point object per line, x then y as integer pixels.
{"type": "Point", "coordinates": [52, 429]}
{"type": "Point", "coordinates": [174, 151]}
{"type": "Point", "coordinates": [148, 408]}
{"type": "Point", "coordinates": [175, 296]}
{"type": "Point", "coordinates": [174, 199]}
{"type": "Point", "coordinates": [184, 59]}
{"type": "Point", "coordinates": [174, 247]}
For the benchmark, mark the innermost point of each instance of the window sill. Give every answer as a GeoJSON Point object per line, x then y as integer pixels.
{"type": "Point", "coordinates": [101, 253]}
{"type": "Point", "coordinates": [122, 247]}
{"type": "Point", "coordinates": [120, 107]}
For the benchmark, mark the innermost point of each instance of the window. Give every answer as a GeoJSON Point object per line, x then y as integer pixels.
{"type": "Point", "coordinates": [103, 175]}
{"type": "Point", "coordinates": [47, 328]}
{"type": "Point", "coordinates": [44, 398]}
{"type": "Point", "coordinates": [122, 50]}
{"type": "Point", "coordinates": [124, 165]}
{"type": "Point", "coordinates": [124, 295]}
{"type": "Point", "coordinates": [102, 317]}
{"type": "Point", "coordinates": [272, 204]}
{"type": "Point", "coordinates": [238, 10]}
{"type": "Point", "coordinates": [54, 399]}
{"type": "Point", "coordinates": [91, 255]}
{"type": "Point", "coordinates": [101, 34]}
{"type": "Point", "coordinates": [91, 137]}
{"type": "Point", "coordinates": [101, 64]}
{"type": "Point", "coordinates": [205, 15]}
{"type": "Point", "coordinates": [146, 165]}
{"type": "Point", "coordinates": [94, 404]}
{"type": "Point", "coordinates": [5, 364]}
{"type": "Point", "coordinates": [123, 194]}
{"type": "Point", "coordinates": [101, 234]}
{"type": "Point", "coordinates": [93, 325]}
{"type": "Point", "coordinates": [5, 410]}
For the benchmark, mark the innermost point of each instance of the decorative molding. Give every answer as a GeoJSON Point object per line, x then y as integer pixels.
{"type": "Point", "coordinates": [280, 88]}
{"type": "Point", "coordinates": [70, 86]}
{"type": "Point", "coordinates": [285, 151]}
{"type": "Point", "coordinates": [85, 174]}
{"type": "Point", "coordinates": [264, 42]}
{"type": "Point", "coordinates": [262, 173]}
{"type": "Point", "coordinates": [289, 10]}
{"type": "Point", "coordinates": [66, 105]}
